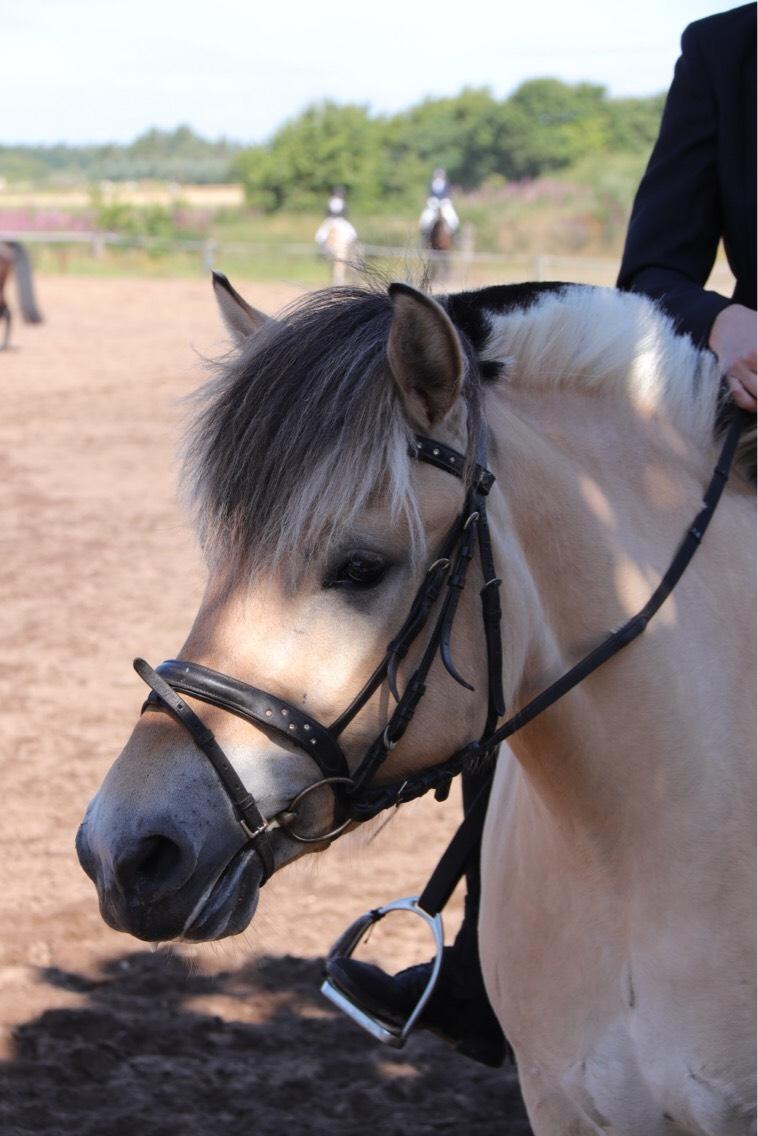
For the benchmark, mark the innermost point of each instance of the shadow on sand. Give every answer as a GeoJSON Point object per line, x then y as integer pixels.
{"type": "Point", "coordinates": [136, 1059]}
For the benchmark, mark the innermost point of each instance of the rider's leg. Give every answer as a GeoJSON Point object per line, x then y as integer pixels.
{"type": "Point", "coordinates": [458, 1009]}
{"type": "Point", "coordinates": [427, 219]}
{"type": "Point", "coordinates": [448, 212]}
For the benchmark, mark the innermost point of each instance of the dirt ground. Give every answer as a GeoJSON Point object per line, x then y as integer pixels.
{"type": "Point", "coordinates": [98, 1035]}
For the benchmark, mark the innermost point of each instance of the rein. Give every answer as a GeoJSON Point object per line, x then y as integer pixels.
{"type": "Point", "coordinates": [356, 799]}
{"type": "Point", "coordinates": [467, 838]}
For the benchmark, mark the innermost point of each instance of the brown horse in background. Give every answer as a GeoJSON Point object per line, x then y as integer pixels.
{"type": "Point", "coordinates": [439, 241]}
{"type": "Point", "coordinates": [14, 257]}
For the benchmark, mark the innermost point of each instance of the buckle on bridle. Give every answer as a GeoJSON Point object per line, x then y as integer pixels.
{"type": "Point", "coordinates": [389, 1033]}
{"type": "Point", "coordinates": [485, 479]}
{"type": "Point", "coordinates": [287, 820]}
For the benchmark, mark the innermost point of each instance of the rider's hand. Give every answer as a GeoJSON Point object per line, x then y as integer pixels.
{"type": "Point", "coordinates": [733, 339]}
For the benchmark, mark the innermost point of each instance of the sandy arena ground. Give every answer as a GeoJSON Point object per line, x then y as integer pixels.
{"type": "Point", "coordinates": [97, 1035]}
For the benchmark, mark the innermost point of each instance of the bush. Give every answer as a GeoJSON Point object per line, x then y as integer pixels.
{"type": "Point", "coordinates": [386, 162]}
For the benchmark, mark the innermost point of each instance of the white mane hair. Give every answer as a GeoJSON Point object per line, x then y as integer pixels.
{"type": "Point", "coordinates": [608, 342]}
{"type": "Point", "coordinates": [301, 426]}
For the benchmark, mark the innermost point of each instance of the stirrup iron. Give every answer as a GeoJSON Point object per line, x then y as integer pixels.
{"type": "Point", "coordinates": [345, 946]}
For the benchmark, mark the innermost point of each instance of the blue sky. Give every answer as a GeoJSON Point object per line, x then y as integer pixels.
{"type": "Point", "coordinates": [105, 70]}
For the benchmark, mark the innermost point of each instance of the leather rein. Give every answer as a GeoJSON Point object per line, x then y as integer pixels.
{"type": "Point", "coordinates": [356, 799]}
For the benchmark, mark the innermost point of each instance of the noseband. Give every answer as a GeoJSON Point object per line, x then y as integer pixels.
{"type": "Point", "coordinates": [281, 718]}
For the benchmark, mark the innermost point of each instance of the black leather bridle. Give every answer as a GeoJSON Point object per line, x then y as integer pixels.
{"type": "Point", "coordinates": [356, 797]}
{"type": "Point", "coordinates": [176, 677]}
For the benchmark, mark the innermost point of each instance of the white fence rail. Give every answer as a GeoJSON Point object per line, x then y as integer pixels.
{"type": "Point", "coordinates": [210, 252]}
{"type": "Point", "coordinates": [461, 263]}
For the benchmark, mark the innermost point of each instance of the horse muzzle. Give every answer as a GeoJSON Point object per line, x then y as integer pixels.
{"type": "Point", "coordinates": [150, 888]}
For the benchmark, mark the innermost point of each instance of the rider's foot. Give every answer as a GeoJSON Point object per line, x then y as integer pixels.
{"type": "Point", "coordinates": [462, 1017]}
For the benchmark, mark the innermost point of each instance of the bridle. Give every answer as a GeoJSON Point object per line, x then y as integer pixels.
{"type": "Point", "coordinates": [352, 801]}
{"type": "Point", "coordinates": [356, 797]}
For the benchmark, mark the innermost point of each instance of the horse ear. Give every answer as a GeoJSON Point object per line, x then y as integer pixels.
{"type": "Point", "coordinates": [425, 355]}
{"type": "Point", "coordinates": [241, 319]}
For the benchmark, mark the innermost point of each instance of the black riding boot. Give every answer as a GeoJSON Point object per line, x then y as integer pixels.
{"type": "Point", "coordinates": [458, 1010]}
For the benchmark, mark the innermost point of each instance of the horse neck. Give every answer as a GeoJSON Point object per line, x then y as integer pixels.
{"type": "Point", "coordinates": [596, 501]}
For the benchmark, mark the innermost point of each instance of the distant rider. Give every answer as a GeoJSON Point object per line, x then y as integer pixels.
{"type": "Point", "coordinates": [439, 204]}
{"type": "Point", "coordinates": [336, 237]}
{"type": "Point", "coordinates": [336, 219]}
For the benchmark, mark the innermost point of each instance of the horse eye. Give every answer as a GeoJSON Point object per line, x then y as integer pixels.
{"type": "Point", "coordinates": [362, 569]}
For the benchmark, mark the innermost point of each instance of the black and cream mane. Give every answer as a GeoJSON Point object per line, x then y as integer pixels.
{"type": "Point", "coordinates": [302, 426]}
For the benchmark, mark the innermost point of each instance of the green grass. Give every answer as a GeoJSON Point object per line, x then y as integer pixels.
{"type": "Point", "coordinates": [266, 264]}
{"type": "Point", "coordinates": [582, 213]}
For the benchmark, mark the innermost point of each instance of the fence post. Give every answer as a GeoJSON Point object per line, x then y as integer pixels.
{"type": "Point", "coordinates": [209, 249]}
{"type": "Point", "coordinates": [467, 247]}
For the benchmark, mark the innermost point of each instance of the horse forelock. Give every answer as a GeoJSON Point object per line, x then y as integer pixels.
{"type": "Point", "coordinates": [297, 433]}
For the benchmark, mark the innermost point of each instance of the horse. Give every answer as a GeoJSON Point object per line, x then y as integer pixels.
{"type": "Point", "coordinates": [438, 238]}
{"type": "Point", "coordinates": [337, 239]}
{"type": "Point", "coordinates": [329, 461]}
{"type": "Point", "coordinates": [14, 257]}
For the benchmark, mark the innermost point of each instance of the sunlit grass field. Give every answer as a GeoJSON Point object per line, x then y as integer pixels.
{"type": "Point", "coordinates": [568, 227]}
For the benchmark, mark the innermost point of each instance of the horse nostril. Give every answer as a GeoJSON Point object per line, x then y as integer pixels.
{"type": "Point", "coordinates": [155, 865]}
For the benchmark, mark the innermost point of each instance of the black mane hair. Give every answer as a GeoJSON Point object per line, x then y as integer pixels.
{"type": "Point", "coordinates": [299, 429]}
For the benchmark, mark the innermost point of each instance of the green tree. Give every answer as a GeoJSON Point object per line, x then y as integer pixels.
{"type": "Point", "coordinates": [461, 134]}
{"type": "Point", "coordinates": [547, 124]}
{"type": "Point", "coordinates": [544, 125]}
{"type": "Point", "coordinates": [633, 124]}
{"type": "Point", "coordinates": [325, 146]}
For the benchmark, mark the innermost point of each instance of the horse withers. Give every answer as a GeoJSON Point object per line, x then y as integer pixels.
{"type": "Point", "coordinates": [15, 258]}
{"type": "Point", "coordinates": [616, 928]}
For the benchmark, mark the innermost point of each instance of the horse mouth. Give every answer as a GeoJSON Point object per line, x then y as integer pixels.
{"type": "Point", "coordinates": [227, 908]}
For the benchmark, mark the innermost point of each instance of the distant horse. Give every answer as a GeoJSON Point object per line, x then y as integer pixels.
{"type": "Point", "coordinates": [338, 240]}
{"type": "Point", "coordinates": [14, 257]}
{"type": "Point", "coordinates": [439, 239]}
{"type": "Point", "coordinates": [338, 465]}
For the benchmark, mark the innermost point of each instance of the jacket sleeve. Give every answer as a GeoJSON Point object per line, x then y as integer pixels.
{"type": "Point", "coordinates": [675, 225]}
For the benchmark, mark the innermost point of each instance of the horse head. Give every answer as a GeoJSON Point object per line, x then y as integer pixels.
{"type": "Point", "coordinates": [319, 526]}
